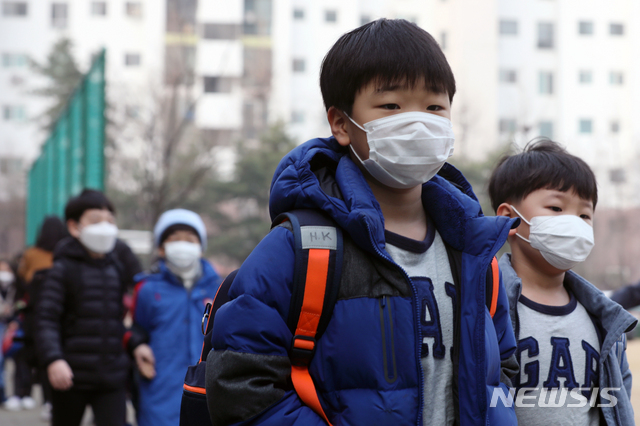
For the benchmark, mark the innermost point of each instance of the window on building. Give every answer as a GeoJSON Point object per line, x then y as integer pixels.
{"type": "Point", "coordinates": [14, 8]}
{"type": "Point", "coordinates": [132, 111]}
{"type": "Point", "coordinates": [14, 60]}
{"type": "Point", "coordinates": [297, 117]}
{"type": "Point", "coordinates": [585, 126]}
{"type": "Point", "coordinates": [13, 113]}
{"type": "Point", "coordinates": [508, 27]}
{"type": "Point", "coordinates": [132, 59]}
{"type": "Point", "coordinates": [616, 29]}
{"type": "Point", "coordinates": [298, 14]}
{"type": "Point", "coordinates": [545, 82]}
{"type": "Point", "coordinates": [585, 27]}
{"type": "Point", "coordinates": [133, 9]}
{"type": "Point", "coordinates": [218, 84]}
{"type": "Point", "coordinates": [99, 8]}
{"type": "Point", "coordinates": [508, 76]}
{"type": "Point", "coordinates": [59, 15]}
{"type": "Point", "coordinates": [545, 128]}
{"type": "Point", "coordinates": [299, 65]}
{"type": "Point", "coordinates": [615, 127]}
{"type": "Point", "coordinates": [585, 77]}
{"type": "Point", "coordinates": [222, 31]}
{"type": "Point", "coordinates": [507, 125]}
{"type": "Point", "coordinates": [365, 19]}
{"type": "Point", "coordinates": [330, 16]}
{"type": "Point", "coordinates": [616, 78]}
{"type": "Point", "coordinates": [545, 35]}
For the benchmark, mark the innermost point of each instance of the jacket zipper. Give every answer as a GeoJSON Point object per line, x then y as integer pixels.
{"type": "Point", "coordinates": [388, 344]}
{"type": "Point", "coordinates": [418, 331]}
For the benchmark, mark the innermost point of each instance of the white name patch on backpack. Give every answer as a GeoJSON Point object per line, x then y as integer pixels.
{"type": "Point", "coordinates": [319, 237]}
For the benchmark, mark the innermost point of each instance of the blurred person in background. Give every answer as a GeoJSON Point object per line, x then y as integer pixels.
{"type": "Point", "coordinates": [628, 296]}
{"type": "Point", "coordinates": [79, 327]}
{"type": "Point", "coordinates": [167, 312]}
{"type": "Point", "coordinates": [7, 292]}
{"type": "Point", "coordinates": [36, 259]}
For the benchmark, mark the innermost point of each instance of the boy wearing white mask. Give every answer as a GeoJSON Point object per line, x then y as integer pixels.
{"type": "Point", "coordinates": [571, 346]}
{"type": "Point", "coordinates": [78, 321]}
{"type": "Point", "coordinates": [167, 312]}
{"type": "Point", "coordinates": [411, 339]}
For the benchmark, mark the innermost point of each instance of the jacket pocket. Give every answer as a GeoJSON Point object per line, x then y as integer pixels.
{"type": "Point", "coordinates": [388, 343]}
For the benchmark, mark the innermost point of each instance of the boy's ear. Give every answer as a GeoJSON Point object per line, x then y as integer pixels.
{"type": "Point", "coordinates": [338, 123]}
{"type": "Point", "coordinates": [505, 209]}
{"type": "Point", "coordinates": [74, 228]}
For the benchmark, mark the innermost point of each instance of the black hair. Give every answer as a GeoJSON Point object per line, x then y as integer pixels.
{"type": "Point", "coordinates": [174, 228]}
{"type": "Point", "coordinates": [88, 199]}
{"type": "Point", "coordinates": [542, 164]}
{"type": "Point", "coordinates": [51, 232]}
{"type": "Point", "coordinates": [388, 51]}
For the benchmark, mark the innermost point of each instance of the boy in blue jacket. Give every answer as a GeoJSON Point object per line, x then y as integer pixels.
{"type": "Point", "coordinates": [408, 342]}
{"type": "Point", "coordinates": [571, 347]}
{"type": "Point", "coordinates": [167, 311]}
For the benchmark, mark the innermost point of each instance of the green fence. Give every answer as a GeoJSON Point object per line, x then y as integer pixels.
{"type": "Point", "coordinates": [72, 158]}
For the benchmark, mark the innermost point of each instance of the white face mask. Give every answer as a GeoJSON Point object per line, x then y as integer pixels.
{"type": "Point", "coordinates": [99, 237]}
{"type": "Point", "coordinates": [183, 254]}
{"type": "Point", "coordinates": [563, 241]}
{"type": "Point", "coordinates": [6, 278]}
{"type": "Point", "coordinates": [406, 149]}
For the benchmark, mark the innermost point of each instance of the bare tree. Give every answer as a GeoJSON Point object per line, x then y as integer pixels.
{"type": "Point", "coordinates": [157, 156]}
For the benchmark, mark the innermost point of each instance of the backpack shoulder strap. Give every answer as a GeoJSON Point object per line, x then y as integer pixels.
{"type": "Point", "coordinates": [493, 286]}
{"type": "Point", "coordinates": [208, 318]}
{"type": "Point", "coordinates": [318, 266]}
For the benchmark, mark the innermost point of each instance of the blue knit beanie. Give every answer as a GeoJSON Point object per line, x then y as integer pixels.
{"type": "Point", "coordinates": [180, 217]}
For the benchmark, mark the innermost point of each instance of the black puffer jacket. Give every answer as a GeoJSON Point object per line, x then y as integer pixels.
{"type": "Point", "coordinates": [79, 318]}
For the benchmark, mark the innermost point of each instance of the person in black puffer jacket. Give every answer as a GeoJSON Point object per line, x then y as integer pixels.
{"type": "Point", "coordinates": [79, 327]}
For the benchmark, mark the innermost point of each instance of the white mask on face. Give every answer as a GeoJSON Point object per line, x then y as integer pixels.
{"type": "Point", "coordinates": [183, 254]}
{"type": "Point", "coordinates": [99, 237]}
{"type": "Point", "coordinates": [6, 278]}
{"type": "Point", "coordinates": [563, 241]}
{"type": "Point", "coordinates": [406, 149]}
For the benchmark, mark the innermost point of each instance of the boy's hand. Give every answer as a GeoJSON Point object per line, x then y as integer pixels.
{"type": "Point", "coordinates": [145, 361]}
{"type": "Point", "coordinates": [60, 375]}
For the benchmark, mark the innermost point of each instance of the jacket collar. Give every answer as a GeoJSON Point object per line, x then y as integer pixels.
{"type": "Point", "coordinates": [612, 317]}
{"type": "Point", "coordinates": [319, 174]}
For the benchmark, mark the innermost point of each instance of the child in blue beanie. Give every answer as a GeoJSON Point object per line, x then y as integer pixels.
{"type": "Point", "coordinates": [167, 312]}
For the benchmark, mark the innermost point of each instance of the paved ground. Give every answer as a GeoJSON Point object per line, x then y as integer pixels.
{"type": "Point", "coordinates": [32, 418]}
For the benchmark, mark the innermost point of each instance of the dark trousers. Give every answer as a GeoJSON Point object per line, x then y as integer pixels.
{"type": "Point", "coordinates": [109, 407]}
{"type": "Point", "coordinates": [23, 379]}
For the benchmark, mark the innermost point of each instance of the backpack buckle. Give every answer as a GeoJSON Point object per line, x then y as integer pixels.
{"type": "Point", "coordinates": [205, 318]}
{"type": "Point", "coordinates": [302, 350]}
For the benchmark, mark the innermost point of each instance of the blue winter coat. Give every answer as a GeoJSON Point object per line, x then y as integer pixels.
{"type": "Point", "coordinates": [248, 371]}
{"type": "Point", "coordinates": [171, 315]}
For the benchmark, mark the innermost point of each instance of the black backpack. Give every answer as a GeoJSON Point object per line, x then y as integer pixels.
{"type": "Point", "coordinates": [315, 236]}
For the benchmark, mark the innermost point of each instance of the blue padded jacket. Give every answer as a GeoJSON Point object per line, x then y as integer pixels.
{"type": "Point", "coordinates": [248, 371]}
{"type": "Point", "coordinates": [171, 315]}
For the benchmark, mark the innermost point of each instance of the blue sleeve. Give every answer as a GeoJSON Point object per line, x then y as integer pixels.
{"type": "Point", "coordinates": [624, 366]}
{"type": "Point", "coordinates": [142, 310]}
{"type": "Point", "coordinates": [248, 372]}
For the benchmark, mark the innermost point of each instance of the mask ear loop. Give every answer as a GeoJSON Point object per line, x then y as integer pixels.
{"type": "Point", "coordinates": [525, 221]}
{"type": "Point", "coordinates": [351, 145]}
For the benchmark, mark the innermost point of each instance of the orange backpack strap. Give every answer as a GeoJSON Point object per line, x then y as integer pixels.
{"type": "Point", "coordinates": [318, 246]}
{"type": "Point", "coordinates": [493, 286]}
